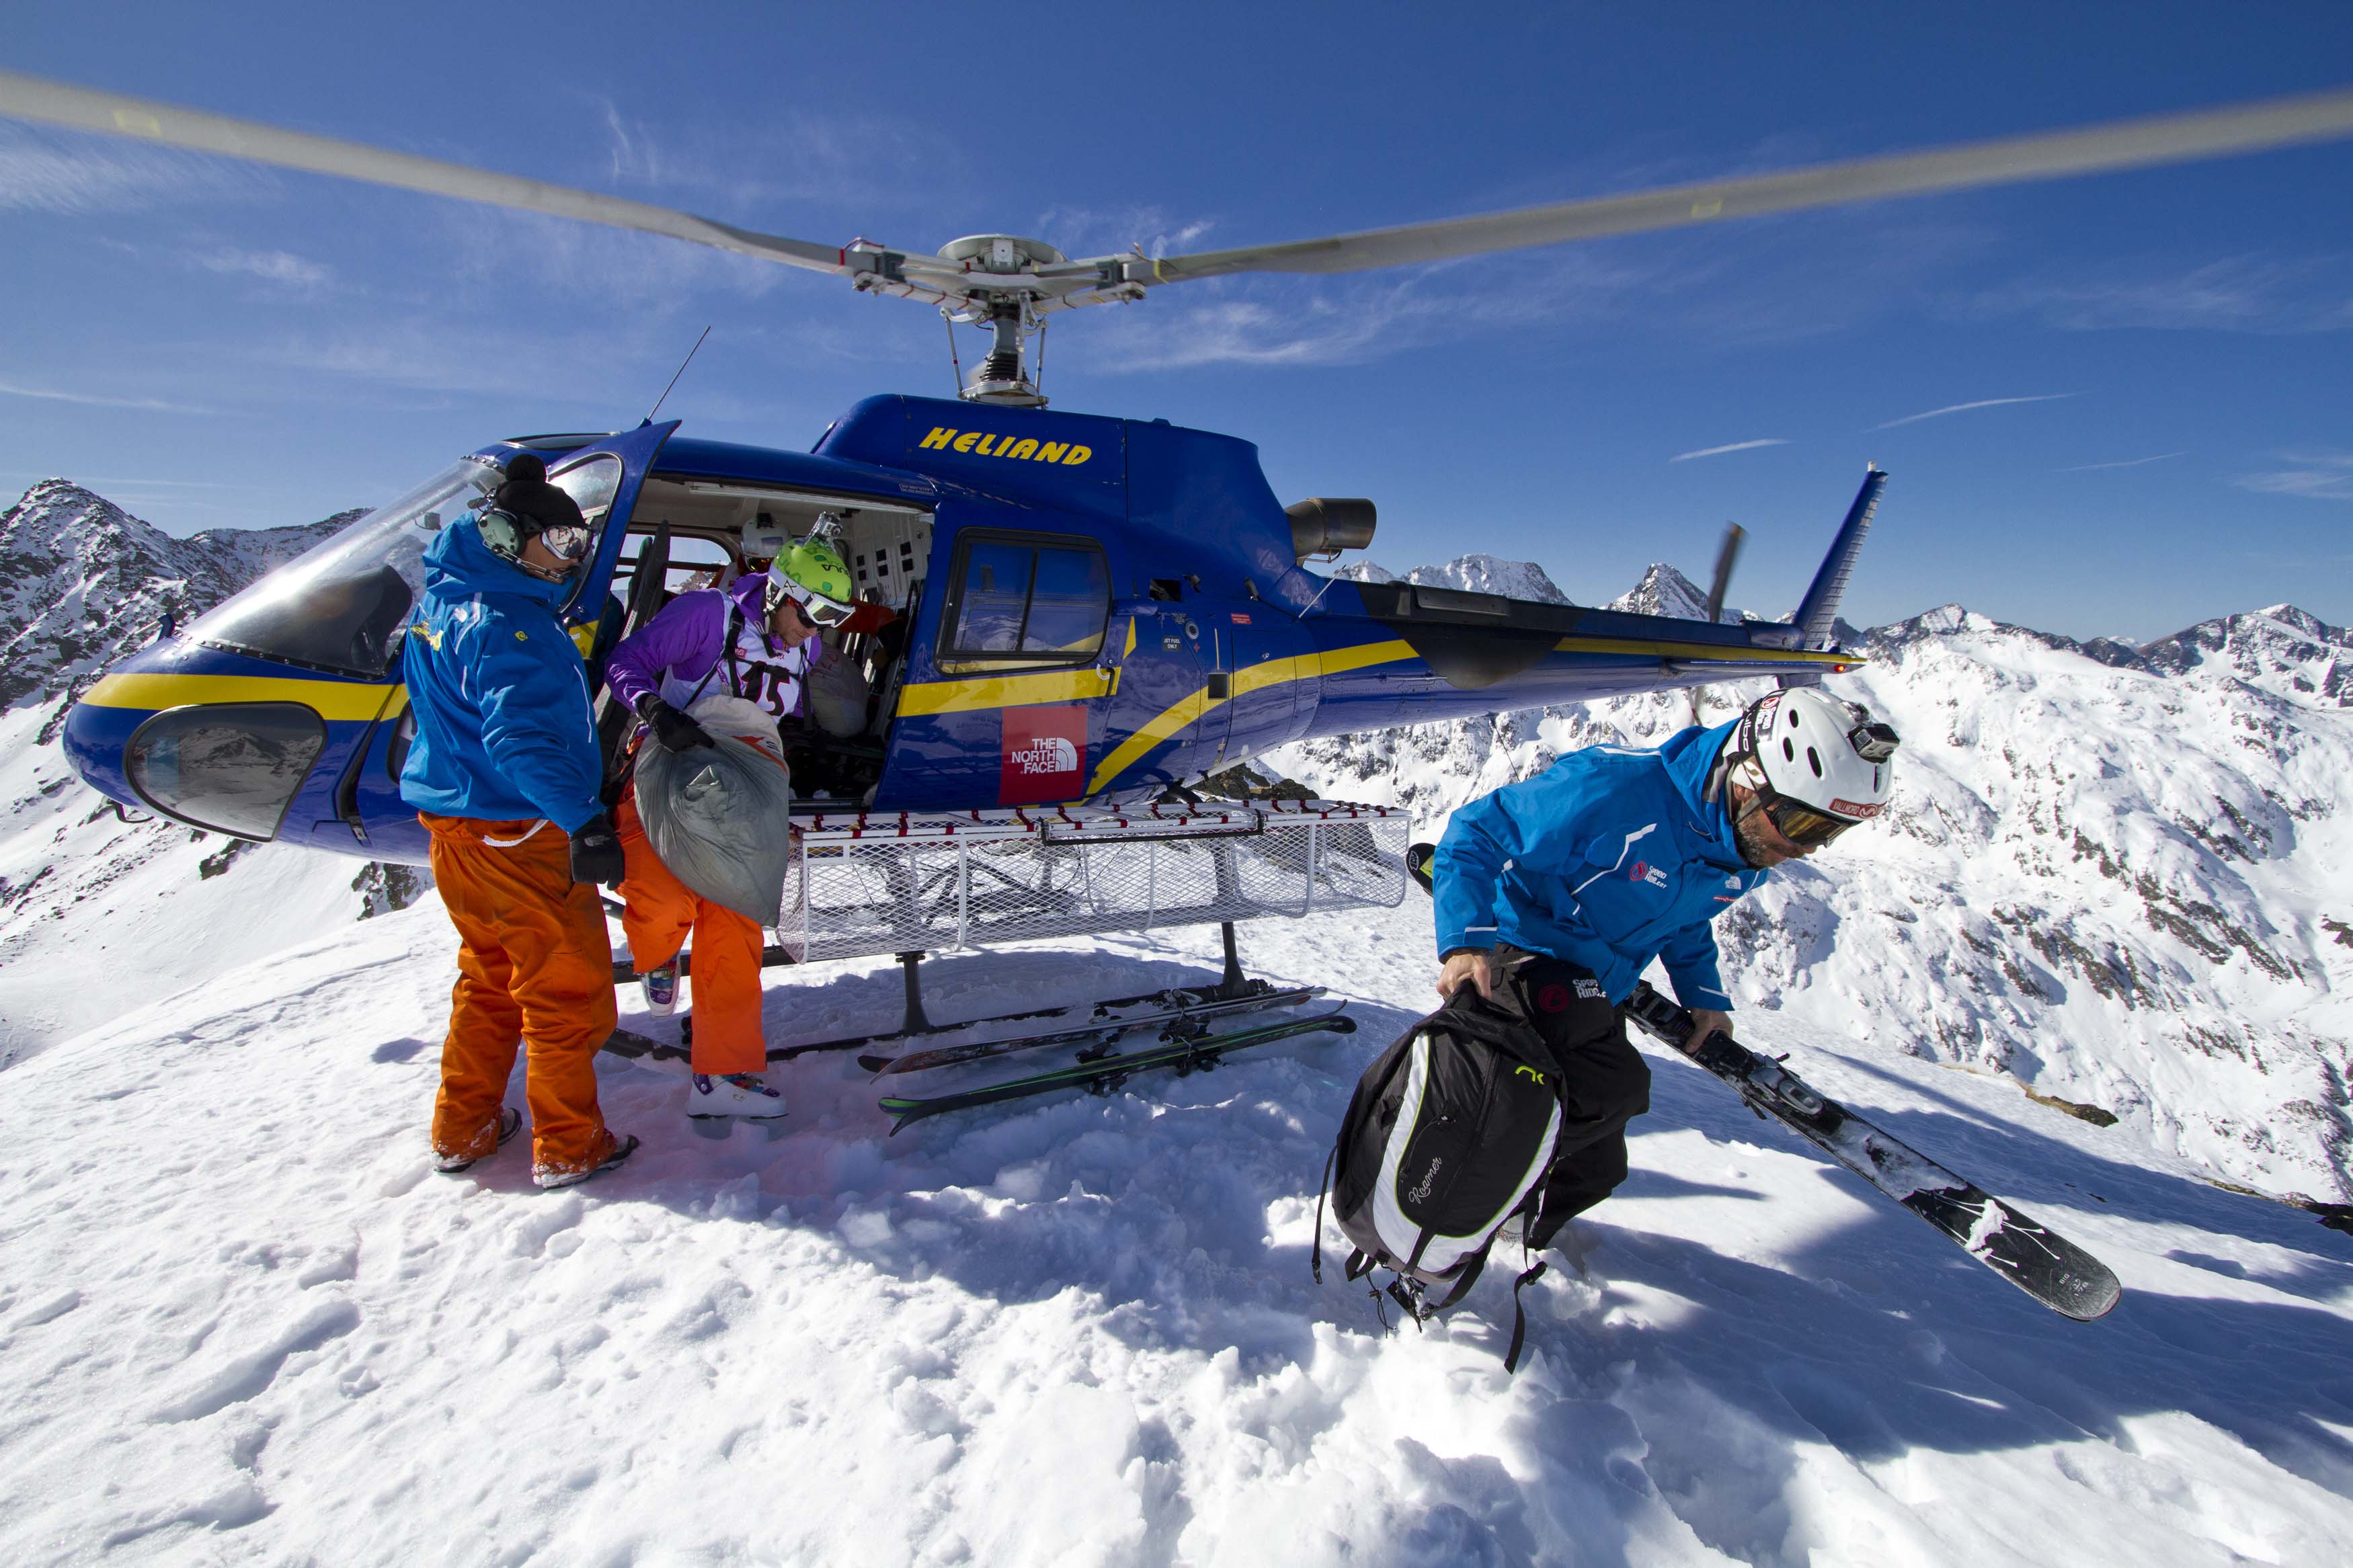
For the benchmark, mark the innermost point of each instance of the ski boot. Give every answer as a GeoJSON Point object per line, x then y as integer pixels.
{"type": "Point", "coordinates": [548, 1181]}
{"type": "Point", "coordinates": [509, 1123]}
{"type": "Point", "coordinates": [748, 1095]}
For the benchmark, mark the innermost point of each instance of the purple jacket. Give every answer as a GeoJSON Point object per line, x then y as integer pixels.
{"type": "Point", "coordinates": [686, 641]}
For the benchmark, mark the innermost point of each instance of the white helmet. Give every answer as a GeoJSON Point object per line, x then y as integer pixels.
{"type": "Point", "coordinates": [1820, 764]}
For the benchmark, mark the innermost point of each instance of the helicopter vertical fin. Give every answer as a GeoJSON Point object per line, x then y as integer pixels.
{"type": "Point", "coordinates": [1818, 611]}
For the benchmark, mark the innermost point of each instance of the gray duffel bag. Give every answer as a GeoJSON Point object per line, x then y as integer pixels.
{"type": "Point", "coordinates": [721, 816]}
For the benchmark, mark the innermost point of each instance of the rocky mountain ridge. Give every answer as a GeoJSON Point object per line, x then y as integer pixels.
{"type": "Point", "coordinates": [83, 581]}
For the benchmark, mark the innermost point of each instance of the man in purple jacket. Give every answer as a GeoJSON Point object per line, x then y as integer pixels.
{"type": "Point", "coordinates": [755, 640]}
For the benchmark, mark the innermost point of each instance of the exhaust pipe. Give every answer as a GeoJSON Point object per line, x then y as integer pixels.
{"type": "Point", "coordinates": [1322, 527]}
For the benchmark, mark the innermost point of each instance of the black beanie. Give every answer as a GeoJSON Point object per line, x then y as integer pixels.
{"type": "Point", "coordinates": [535, 503]}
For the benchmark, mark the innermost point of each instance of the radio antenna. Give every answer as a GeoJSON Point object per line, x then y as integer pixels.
{"type": "Point", "coordinates": [673, 380]}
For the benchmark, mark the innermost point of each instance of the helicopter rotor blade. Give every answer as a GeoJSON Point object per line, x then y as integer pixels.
{"type": "Point", "coordinates": [2121, 145]}
{"type": "Point", "coordinates": [1734, 536]}
{"type": "Point", "coordinates": [1726, 557]}
{"type": "Point", "coordinates": [82, 109]}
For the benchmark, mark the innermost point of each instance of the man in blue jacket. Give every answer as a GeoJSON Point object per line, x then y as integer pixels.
{"type": "Point", "coordinates": [505, 773]}
{"type": "Point", "coordinates": [1566, 886]}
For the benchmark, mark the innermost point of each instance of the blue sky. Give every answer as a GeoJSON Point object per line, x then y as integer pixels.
{"type": "Point", "coordinates": [2114, 406]}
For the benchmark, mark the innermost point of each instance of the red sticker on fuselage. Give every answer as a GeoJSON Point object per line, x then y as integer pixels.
{"type": "Point", "coordinates": [1044, 756]}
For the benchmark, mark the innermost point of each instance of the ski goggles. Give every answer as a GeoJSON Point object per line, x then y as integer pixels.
{"type": "Point", "coordinates": [566, 542]}
{"type": "Point", "coordinates": [820, 612]}
{"type": "Point", "coordinates": [1801, 824]}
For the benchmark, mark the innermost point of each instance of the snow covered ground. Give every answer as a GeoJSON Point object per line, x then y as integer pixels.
{"type": "Point", "coordinates": [240, 1322]}
{"type": "Point", "coordinates": [100, 914]}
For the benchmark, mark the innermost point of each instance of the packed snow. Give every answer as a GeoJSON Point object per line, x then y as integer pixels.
{"type": "Point", "coordinates": [240, 1320]}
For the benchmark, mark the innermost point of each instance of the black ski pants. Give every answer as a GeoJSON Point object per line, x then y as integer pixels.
{"type": "Point", "coordinates": [1604, 1082]}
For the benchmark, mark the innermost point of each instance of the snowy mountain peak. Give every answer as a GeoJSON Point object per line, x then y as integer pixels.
{"type": "Point", "coordinates": [2284, 650]}
{"type": "Point", "coordinates": [1472, 573]}
{"type": "Point", "coordinates": [82, 581]}
{"type": "Point", "coordinates": [1663, 591]}
{"type": "Point", "coordinates": [1492, 574]}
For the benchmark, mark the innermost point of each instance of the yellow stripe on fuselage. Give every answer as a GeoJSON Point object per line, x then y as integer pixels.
{"type": "Point", "coordinates": [327, 699]}
{"type": "Point", "coordinates": [1256, 677]}
{"type": "Point", "coordinates": [930, 696]}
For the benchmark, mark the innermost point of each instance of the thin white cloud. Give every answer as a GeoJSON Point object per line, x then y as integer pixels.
{"type": "Point", "coordinates": [52, 395]}
{"type": "Point", "coordinates": [283, 268]}
{"type": "Point", "coordinates": [1982, 403]}
{"type": "Point", "coordinates": [1734, 446]}
{"type": "Point", "coordinates": [1088, 231]}
{"type": "Point", "coordinates": [746, 166]}
{"type": "Point", "coordinates": [1287, 322]}
{"type": "Point", "coordinates": [2317, 475]}
{"type": "Point", "coordinates": [2237, 294]}
{"type": "Point", "coordinates": [2128, 463]}
{"type": "Point", "coordinates": [78, 175]}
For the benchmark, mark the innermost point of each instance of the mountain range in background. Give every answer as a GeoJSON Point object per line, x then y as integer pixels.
{"type": "Point", "coordinates": [2110, 873]}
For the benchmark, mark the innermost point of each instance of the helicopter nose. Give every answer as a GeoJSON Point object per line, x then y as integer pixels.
{"type": "Point", "coordinates": [225, 755]}
{"type": "Point", "coordinates": [228, 767]}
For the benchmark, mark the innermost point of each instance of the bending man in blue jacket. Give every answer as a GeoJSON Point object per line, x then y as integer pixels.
{"type": "Point", "coordinates": [505, 774]}
{"type": "Point", "coordinates": [1566, 886]}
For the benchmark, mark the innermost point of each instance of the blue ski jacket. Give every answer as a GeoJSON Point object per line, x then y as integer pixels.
{"type": "Point", "coordinates": [1609, 858]}
{"type": "Point", "coordinates": [504, 731]}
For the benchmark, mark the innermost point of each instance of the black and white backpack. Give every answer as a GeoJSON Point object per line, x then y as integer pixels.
{"type": "Point", "coordinates": [1450, 1134]}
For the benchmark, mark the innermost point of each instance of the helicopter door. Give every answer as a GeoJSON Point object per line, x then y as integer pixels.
{"type": "Point", "coordinates": [1251, 653]}
{"type": "Point", "coordinates": [1158, 694]}
{"type": "Point", "coordinates": [604, 479]}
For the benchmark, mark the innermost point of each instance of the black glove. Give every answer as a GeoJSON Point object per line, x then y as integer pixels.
{"type": "Point", "coordinates": [597, 852]}
{"type": "Point", "coordinates": [675, 731]}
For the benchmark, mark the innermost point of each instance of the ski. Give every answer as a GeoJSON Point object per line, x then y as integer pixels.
{"type": "Point", "coordinates": [630, 1042]}
{"type": "Point", "coordinates": [1177, 1009]}
{"type": "Point", "coordinates": [2030, 1254]}
{"type": "Point", "coordinates": [1189, 1053]}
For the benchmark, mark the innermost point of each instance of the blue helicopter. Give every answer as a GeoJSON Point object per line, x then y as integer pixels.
{"type": "Point", "coordinates": [1088, 611]}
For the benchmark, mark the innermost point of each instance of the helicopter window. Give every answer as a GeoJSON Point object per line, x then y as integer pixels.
{"type": "Point", "coordinates": [592, 486]}
{"type": "Point", "coordinates": [1024, 598]}
{"type": "Point", "coordinates": [340, 607]}
{"type": "Point", "coordinates": [232, 768]}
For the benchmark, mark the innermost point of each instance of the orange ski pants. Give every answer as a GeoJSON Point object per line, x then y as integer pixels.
{"type": "Point", "coordinates": [534, 967]}
{"type": "Point", "coordinates": [660, 911]}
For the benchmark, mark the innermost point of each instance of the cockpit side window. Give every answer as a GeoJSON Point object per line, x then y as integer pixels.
{"type": "Point", "coordinates": [1027, 598]}
{"type": "Point", "coordinates": [340, 607]}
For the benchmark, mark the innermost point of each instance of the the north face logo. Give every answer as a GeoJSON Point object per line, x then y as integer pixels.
{"type": "Point", "coordinates": [1046, 754]}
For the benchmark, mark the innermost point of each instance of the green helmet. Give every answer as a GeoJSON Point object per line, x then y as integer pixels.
{"type": "Point", "coordinates": [813, 577]}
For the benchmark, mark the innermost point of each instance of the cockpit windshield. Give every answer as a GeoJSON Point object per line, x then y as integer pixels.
{"type": "Point", "coordinates": [341, 606]}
